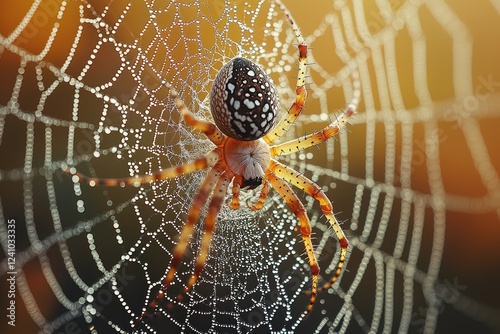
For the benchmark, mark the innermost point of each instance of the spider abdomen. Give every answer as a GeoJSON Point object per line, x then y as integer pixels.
{"type": "Point", "coordinates": [243, 100]}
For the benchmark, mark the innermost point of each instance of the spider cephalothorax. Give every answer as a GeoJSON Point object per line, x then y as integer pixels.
{"type": "Point", "coordinates": [244, 104]}
{"type": "Point", "coordinates": [250, 159]}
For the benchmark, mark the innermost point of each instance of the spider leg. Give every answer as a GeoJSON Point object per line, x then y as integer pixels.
{"type": "Point", "coordinates": [235, 201]}
{"type": "Point", "coordinates": [203, 162]}
{"type": "Point", "coordinates": [213, 210]}
{"type": "Point", "coordinates": [301, 92]}
{"type": "Point", "coordinates": [327, 132]}
{"type": "Point", "coordinates": [262, 198]}
{"type": "Point", "coordinates": [188, 228]}
{"type": "Point", "coordinates": [305, 227]}
{"type": "Point", "coordinates": [313, 190]}
{"type": "Point", "coordinates": [210, 130]}
{"type": "Point", "coordinates": [314, 138]}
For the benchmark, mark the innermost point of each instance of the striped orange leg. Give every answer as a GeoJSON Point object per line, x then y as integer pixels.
{"type": "Point", "coordinates": [203, 162]}
{"type": "Point", "coordinates": [213, 210]}
{"type": "Point", "coordinates": [296, 109]}
{"type": "Point", "coordinates": [305, 227]}
{"type": "Point", "coordinates": [262, 198]}
{"type": "Point", "coordinates": [235, 200]}
{"type": "Point", "coordinates": [193, 215]}
{"type": "Point", "coordinates": [313, 190]}
{"type": "Point", "coordinates": [210, 130]}
{"type": "Point", "coordinates": [326, 133]}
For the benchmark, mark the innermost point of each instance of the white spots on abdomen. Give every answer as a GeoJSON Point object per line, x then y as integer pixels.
{"type": "Point", "coordinates": [249, 104]}
{"type": "Point", "coordinates": [248, 92]}
{"type": "Point", "coordinates": [231, 88]}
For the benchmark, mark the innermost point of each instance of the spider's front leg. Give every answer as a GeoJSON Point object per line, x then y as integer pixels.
{"type": "Point", "coordinates": [203, 162]}
{"type": "Point", "coordinates": [301, 92]}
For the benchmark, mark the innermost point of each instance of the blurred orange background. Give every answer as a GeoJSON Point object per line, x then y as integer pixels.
{"type": "Point", "coordinates": [472, 247]}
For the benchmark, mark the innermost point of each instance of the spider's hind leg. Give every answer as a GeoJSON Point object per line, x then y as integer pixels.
{"type": "Point", "coordinates": [194, 212]}
{"type": "Point", "coordinates": [313, 190]}
{"type": "Point", "coordinates": [299, 210]}
{"type": "Point", "coordinates": [208, 228]}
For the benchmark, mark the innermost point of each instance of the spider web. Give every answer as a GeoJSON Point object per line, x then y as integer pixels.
{"type": "Point", "coordinates": [415, 177]}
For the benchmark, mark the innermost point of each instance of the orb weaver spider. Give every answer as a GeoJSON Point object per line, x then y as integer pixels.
{"type": "Point", "coordinates": [244, 105]}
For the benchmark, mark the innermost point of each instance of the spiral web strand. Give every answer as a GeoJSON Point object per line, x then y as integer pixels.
{"type": "Point", "coordinates": [83, 84]}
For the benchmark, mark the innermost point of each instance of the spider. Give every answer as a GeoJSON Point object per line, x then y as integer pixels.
{"type": "Point", "coordinates": [244, 104]}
